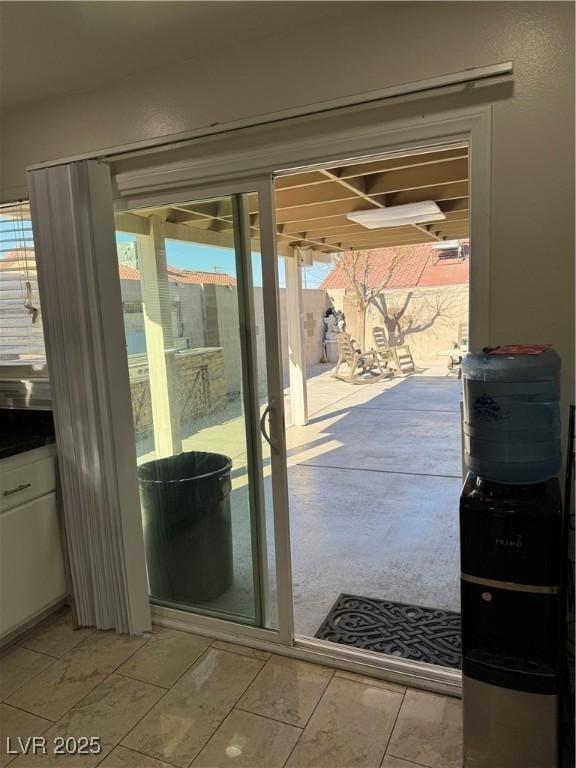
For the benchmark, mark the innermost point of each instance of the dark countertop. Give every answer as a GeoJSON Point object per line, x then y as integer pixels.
{"type": "Point", "coordinates": [23, 430]}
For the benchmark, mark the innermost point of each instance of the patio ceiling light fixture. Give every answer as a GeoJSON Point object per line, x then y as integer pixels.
{"type": "Point", "coordinates": [398, 215]}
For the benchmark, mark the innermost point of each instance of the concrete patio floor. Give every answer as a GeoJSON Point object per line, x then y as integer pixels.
{"type": "Point", "coordinates": [374, 482]}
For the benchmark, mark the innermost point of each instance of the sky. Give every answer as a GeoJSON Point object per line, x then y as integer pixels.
{"type": "Point", "coordinates": [206, 258]}
{"type": "Point", "coordinates": [15, 234]}
{"type": "Point", "coordinates": [192, 256]}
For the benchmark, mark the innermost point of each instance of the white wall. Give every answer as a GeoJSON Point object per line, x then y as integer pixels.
{"type": "Point", "coordinates": [370, 46]}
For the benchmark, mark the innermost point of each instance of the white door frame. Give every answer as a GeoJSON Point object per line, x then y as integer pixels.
{"type": "Point", "coordinates": [221, 162]}
{"type": "Point", "coordinates": [358, 133]}
{"type": "Point", "coordinates": [188, 619]}
{"type": "Point", "coordinates": [213, 166]}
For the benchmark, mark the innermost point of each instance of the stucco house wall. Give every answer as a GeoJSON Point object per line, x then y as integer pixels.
{"type": "Point", "coordinates": [432, 318]}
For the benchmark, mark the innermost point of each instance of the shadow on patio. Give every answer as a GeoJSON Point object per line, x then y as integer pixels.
{"type": "Point", "coordinates": [374, 482]}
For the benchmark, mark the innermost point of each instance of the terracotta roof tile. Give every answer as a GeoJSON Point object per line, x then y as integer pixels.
{"type": "Point", "coordinates": [18, 259]}
{"type": "Point", "coordinates": [128, 273]}
{"type": "Point", "coordinates": [21, 259]}
{"type": "Point", "coordinates": [189, 276]}
{"type": "Point", "coordinates": [445, 272]}
{"type": "Point", "coordinates": [182, 276]}
{"type": "Point", "coordinates": [416, 265]}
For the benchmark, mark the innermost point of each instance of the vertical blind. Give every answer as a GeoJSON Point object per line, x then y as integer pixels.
{"type": "Point", "coordinates": [21, 333]}
{"type": "Point", "coordinates": [90, 388]}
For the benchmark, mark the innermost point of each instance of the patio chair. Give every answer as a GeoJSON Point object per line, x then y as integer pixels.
{"type": "Point", "coordinates": [400, 357]}
{"type": "Point", "coordinates": [365, 367]}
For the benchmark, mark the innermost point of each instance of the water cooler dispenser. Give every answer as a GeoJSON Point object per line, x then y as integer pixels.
{"type": "Point", "coordinates": [511, 559]}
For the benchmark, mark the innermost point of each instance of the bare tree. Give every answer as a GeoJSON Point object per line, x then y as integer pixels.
{"type": "Point", "coordinates": [415, 312]}
{"type": "Point", "coordinates": [358, 266]}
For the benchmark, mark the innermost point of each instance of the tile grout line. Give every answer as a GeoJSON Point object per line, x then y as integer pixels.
{"type": "Point", "coordinates": [28, 635]}
{"type": "Point", "coordinates": [212, 735]}
{"type": "Point", "coordinates": [31, 650]}
{"type": "Point", "coordinates": [233, 706]}
{"type": "Point", "coordinates": [33, 714]}
{"type": "Point", "coordinates": [167, 690]}
{"type": "Point", "coordinates": [375, 682]}
{"type": "Point", "coordinates": [266, 717]}
{"type": "Point", "coordinates": [48, 622]}
{"type": "Point", "coordinates": [27, 712]}
{"type": "Point", "coordinates": [310, 718]}
{"type": "Point", "coordinates": [42, 732]}
{"type": "Point", "coordinates": [251, 683]}
{"type": "Point", "coordinates": [108, 676]}
{"type": "Point", "coordinates": [231, 709]}
{"type": "Point", "coordinates": [146, 682]}
{"type": "Point", "coordinates": [392, 729]}
{"type": "Point", "coordinates": [136, 751]}
{"type": "Point", "coordinates": [404, 760]}
{"type": "Point", "coordinates": [236, 708]}
{"type": "Point", "coordinates": [4, 700]}
{"type": "Point", "coordinates": [238, 653]}
{"type": "Point", "coordinates": [50, 655]}
{"type": "Point", "coordinates": [397, 693]}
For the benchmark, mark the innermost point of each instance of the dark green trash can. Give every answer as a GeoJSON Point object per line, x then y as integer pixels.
{"type": "Point", "coordinates": [187, 526]}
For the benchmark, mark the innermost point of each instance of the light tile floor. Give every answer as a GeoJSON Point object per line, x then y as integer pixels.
{"type": "Point", "coordinates": [178, 699]}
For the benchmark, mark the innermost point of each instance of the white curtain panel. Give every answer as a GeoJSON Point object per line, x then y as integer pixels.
{"type": "Point", "coordinates": [73, 222]}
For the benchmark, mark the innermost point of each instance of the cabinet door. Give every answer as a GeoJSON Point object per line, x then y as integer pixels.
{"type": "Point", "coordinates": [21, 484]}
{"type": "Point", "coordinates": [31, 561]}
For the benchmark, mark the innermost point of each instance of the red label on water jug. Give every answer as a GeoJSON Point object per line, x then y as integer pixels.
{"type": "Point", "coordinates": [519, 349]}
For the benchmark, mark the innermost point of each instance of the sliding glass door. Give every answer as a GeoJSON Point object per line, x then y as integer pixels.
{"type": "Point", "coordinates": [198, 290]}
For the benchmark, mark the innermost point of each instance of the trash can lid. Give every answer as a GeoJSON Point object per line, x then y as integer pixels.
{"type": "Point", "coordinates": [188, 465]}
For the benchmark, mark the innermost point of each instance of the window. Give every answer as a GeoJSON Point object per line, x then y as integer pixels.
{"type": "Point", "coordinates": [452, 249]}
{"type": "Point", "coordinates": [449, 253]}
{"type": "Point", "coordinates": [21, 335]}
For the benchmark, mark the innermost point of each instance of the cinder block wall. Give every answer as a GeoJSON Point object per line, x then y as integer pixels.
{"type": "Point", "coordinates": [314, 304]}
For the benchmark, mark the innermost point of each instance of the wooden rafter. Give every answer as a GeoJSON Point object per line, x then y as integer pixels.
{"type": "Point", "coordinates": [312, 205]}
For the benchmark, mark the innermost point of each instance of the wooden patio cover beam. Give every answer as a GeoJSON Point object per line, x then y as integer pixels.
{"type": "Point", "coordinates": [312, 205]}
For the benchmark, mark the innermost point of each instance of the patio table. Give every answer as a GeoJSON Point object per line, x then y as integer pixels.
{"type": "Point", "coordinates": [455, 356]}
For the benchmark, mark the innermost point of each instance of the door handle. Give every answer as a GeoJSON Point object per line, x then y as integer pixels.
{"type": "Point", "coordinates": [17, 489]}
{"type": "Point", "coordinates": [272, 443]}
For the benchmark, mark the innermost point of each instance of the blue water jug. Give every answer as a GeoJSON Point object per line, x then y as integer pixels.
{"type": "Point", "coordinates": [512, 414]}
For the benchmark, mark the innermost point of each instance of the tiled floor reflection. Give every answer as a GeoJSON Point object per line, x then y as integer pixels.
{"type": "Point", "coordinates": [177, 699]}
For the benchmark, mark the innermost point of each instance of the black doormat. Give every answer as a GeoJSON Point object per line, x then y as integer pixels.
{"type": "Point", "coordinates": [409, 631]}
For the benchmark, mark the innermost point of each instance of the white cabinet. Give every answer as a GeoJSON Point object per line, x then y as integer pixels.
{"type": "Point", "coordinates": [24, 482]}
{"type": "Point", "coordinates": [32, 576]}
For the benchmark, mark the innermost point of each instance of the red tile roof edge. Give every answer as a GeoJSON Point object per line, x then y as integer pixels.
{"type": "Point", "coordinates": [418, 266]}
